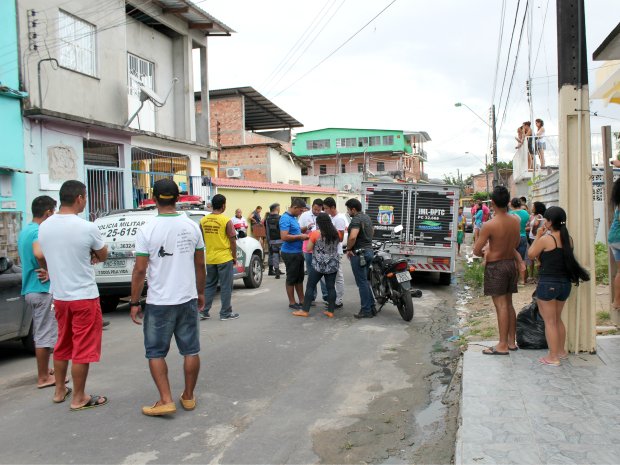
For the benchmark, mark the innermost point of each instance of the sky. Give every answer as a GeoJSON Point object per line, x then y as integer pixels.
{"type": "Point", "coordinates": [406, 69]}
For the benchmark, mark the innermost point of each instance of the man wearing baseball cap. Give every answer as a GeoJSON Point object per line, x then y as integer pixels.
{"type": "Point", "coordinates": [171, 248]}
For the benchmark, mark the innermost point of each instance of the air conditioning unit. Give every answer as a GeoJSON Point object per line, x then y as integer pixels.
{"type": "Point", "coordinates": [233, 172]}
{"type": "Point", "coordinates": [347, 187]}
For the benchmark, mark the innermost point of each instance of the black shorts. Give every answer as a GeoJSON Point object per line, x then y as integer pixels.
{"type": "Point", "coordinates": [294, 264]}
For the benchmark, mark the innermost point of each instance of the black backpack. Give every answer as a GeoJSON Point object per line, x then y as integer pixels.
{"type": "Point", "coordinates": [273, 226]}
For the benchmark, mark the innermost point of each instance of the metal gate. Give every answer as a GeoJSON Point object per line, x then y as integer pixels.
{"type": "Point", "coordinates": [149, 166]}
{"type": "Point", "coordinates": [105, 190]}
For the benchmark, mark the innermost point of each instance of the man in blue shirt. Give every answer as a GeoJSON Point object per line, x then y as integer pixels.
{"type": "Point", "coordinates": [36, 288]}
{"type": "Point", "coordinates": [292, 254]}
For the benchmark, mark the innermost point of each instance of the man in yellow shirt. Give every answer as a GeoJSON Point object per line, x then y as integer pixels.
{"type": "Point", "coordinates": [221, 245]}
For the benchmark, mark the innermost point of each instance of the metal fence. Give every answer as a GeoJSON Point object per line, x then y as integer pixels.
{"type": "Point", "coordinates": [106, 191]}
{"type": "Point", "coordinates": [201, 185]}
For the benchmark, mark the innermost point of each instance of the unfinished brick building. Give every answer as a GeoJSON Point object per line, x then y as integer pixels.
{"type": "Point", "coordinates": [254, 134]}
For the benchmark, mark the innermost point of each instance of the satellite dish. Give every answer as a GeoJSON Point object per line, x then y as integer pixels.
{"type": "Point", "coordinates": [148, 94]}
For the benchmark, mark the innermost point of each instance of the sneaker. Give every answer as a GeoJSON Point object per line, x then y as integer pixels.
{"type": "Point", "coordinates": [106, 323]}
{"type": "Point", "coordinates": [300, 313]}
{"type": "Point", "coordinates": [232, 316]}
{"type": "Point", "coordinates": [362, 315]}
{"type": "Point", "coordinates": [336, 306]}
{"type": "Point", "coordinates": [374, 311]}
{"type": "Point", "coordinates": [294, 307]}
{"type": "Point", "coordinates": [204, 315]}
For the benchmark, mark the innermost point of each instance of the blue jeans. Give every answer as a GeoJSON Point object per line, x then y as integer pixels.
{"type": "Point", "coordinates": [308, 258]}
{"type": "Point", "coordinates": [224, 274]}
{"type": "Point", "coordinates": [361, 279]}
{"type": "Point", "coordinates": [313, 278]}
{"type": "Point", "coordinates": [161, 322]}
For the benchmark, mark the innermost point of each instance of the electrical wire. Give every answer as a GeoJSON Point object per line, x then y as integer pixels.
{"type": "Point", "coordinates": [508, 56]}
{"type": "Point", "coordinates": [499, 47]}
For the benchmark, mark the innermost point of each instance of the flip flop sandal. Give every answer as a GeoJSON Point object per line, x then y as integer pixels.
{"type": "Point", "coordinates": [562, 358]}
{"type": "Point", "coordinates": [545, 362]}
{"type": "Point", "coordinates": [69, 391]}
{"type": "Point", "coordinates": [494, 352]}
{"type": "Point", "coordinates": [516, 348]}
{"type": "Point", "coordinates": [91, 403]}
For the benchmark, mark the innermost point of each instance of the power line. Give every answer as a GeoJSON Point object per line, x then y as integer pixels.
{"type": "Point", "coordinates": [508, 56]}
{"type": "Point", "coordinates": [328, 56]}
{"type": "Point", "coordinates": [499, 47]}
{"type": "Point", "coordinates": [541, 36]}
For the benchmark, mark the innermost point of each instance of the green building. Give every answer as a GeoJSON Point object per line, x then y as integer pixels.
{"type": "Point", "coordinates": [342, 150]}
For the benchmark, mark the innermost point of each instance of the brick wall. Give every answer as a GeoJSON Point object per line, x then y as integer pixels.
{"type": "Point", "coordinates": [229, 112]}
{"type": "Point", "coordinates": [246, 157]}
{"type": "Point", "coordinates": [253, 138]}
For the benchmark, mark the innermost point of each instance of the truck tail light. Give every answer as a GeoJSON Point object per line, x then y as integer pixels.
{"type": "Point", "coordinates": [447, 245]}
{"type": "Point", "coordinates": [370, 189]}
{"type": "Point", "coordinates": [439, 261]}
{"type": "Point", "coordinates": [411, 268]}
{"type": "Point", "coordinates": [400, 266]}
{"type": "Point", "coordinates": [367, 197]}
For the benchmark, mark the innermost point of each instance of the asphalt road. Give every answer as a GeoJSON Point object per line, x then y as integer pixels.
{"type": "Point", "coordinates": [273, 388]}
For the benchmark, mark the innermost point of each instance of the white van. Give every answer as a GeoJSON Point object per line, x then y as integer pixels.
{"type": "Point", "coordinates": [119, 230]}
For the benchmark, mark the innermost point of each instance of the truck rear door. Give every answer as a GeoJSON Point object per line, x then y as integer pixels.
{"type": "Point", "coordinates": [432, 216]}
{"type": "Point", "coordinates": [386, 207]}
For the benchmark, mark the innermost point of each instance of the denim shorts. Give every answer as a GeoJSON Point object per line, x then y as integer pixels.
{"type": "Point", "coordinates": [522, 246]}
{"type": "Point", "coordinates": [553, 288]}
{"type": "Point", "coordinates": [161, 322]}
{"type": "Point", "coordinates": [615, 248]}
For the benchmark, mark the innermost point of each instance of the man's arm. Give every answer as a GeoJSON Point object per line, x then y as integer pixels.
{"type": "Point", "coordinates": [485, 232]}
{"type": "Point", "coordinates": [137, 284]}
{"type": "Point", "coordinates": [38, 254]}
{"type": "Point", "coordinates": [201, 276]}
{"type": "Point", "coordinates": [232, 237]}
{"type": "Point", "coordinates": [351, 239]}
{"type": "Point", "coordinates": [101, 254]}
{"type": "Point", "coordinates": [285, 236]}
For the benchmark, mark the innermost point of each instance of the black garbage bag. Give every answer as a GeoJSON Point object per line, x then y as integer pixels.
{"type": "Point", "coordinates": [531, 328]}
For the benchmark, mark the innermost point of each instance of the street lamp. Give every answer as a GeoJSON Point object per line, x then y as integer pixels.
{"type": "Point", "coordinates": [492, 126]}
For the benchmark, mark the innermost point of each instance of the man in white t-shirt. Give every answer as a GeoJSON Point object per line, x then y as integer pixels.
{"type": "Point", "coordinates": [68, 246]}
{"type": "Point", "coordinates": [171, 247]}
{"type": "Point", "coordinates": [307, 223]}
{"type": "Point", "coordinates": [239, 223]}
{"type": "Point", "coordinates": [339, 222]}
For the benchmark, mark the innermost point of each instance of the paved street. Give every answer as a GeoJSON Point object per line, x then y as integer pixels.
{"type": "Point", "coordinates": [273, 388]}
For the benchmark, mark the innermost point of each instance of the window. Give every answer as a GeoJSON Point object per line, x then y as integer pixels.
{"type": "Point", "coordinates": [360, 167]}
{"type": "Point", "coordinates": [388, 140]}
{"type": "Point", "coordinates": [348, 142]}
{"type": "Point", "coordinates": [343, 168]}
{"type": "Point", "coordinates": [96, 153]}
{"type": "Point", "coordinates": [304, 171]}
{"type": "Point", "coordinates": [77, 44]}
{"type": "Point", "coordinates": [323, 169]}
{"type": "Point", "coordinates": [374, 141]}
{"type": "Point", "coordinates": [145, 72]}
{"type": "Point", "coordinates": [380, 166]}
{"type": "Point", "coordinates": [362, 142]}
{"type": "Point", "coordinates": [318, 144]}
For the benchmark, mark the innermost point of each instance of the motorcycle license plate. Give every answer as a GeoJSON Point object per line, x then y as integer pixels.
{"type": "Point", "coordinates": [402, 277]}
{"type": "Point", "coordinates": [114, 264]}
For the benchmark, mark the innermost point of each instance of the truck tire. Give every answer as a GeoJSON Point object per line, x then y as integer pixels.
{"type": "Point", "coordinates": [406, 306]}
{"type": "Point", "coordinates": [28, 340]}
{"type": "Point", "coordinates": [109, 303]}
{"type": "Point", "coordinates": [445, 279]}
{"type": "Point", "coordinates": [255, 273]}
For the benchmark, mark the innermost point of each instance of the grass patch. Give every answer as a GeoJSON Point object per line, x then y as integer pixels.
{"type": "Point", "coordinates": [387, 420]}
{"type": "Point", "coordinates": [613, 331]}
{"type": "Point", "coordinates": [488, 334]}
{"type": "Point", "coordinates": [391, 348]}
{"type": "Point", "coordinates": [490, 328]}
{"type": "Point", "coordinates": [475, 331]}
{"type": "Point", "coordinates": [348, 445]}
{"type": "Point", "coordinates": [603, 315]}
{"type": "Point", "coordinates": [474, 323]}
{"type": "Point", "coordinates": [474, 273]}
{"type": "Point", "coordinates": [601, 263]}
{"type": "Point", "coordinates": [461, 340]}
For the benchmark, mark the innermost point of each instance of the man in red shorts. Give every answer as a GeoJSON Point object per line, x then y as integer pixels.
{"type": "Point", "coordinates": [68, 246]}
{"type": "Point", "coordinates": [500, 272]}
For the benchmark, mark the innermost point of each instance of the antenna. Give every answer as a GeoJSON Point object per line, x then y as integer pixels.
{"type": "Point", "coordinates": [148, 94]}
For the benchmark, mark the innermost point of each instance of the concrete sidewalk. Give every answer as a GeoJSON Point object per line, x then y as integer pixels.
{"type": "Point", "coordinates": [517, 411]}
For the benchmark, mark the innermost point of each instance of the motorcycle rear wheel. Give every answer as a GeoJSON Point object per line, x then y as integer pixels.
{"type": "Point", "coordinates": [405, 306]}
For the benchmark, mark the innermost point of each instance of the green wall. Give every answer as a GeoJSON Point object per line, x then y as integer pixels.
{"type": "Point", "coordinates": [299, 144]}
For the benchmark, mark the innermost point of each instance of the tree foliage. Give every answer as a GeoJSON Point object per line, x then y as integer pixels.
{"type": "Point", "coordinates": [501, 165]}
{"type": "Point", "coordinates": [480, 195]}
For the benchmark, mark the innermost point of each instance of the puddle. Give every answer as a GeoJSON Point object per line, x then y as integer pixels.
{"type": "Point", "coordinates": [431, 414]}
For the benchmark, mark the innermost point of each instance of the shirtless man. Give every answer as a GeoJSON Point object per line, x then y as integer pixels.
{"type": "Point", "coordinates": [500, 273]}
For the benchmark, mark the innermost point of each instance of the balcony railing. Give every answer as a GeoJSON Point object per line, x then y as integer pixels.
{"type": "Point", "coordinates": [527, 166]}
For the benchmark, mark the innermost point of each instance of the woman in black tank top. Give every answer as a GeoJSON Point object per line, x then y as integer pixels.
{"type": "Point", "coordinates": [558, 270]}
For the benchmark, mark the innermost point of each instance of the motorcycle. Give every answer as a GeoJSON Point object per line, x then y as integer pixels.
{"type": "Point", "coordinates": [390, 280]}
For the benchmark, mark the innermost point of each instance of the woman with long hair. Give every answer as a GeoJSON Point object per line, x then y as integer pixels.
{"type": "Point", "coordinates": [559, 269]}
{"type": "Point", "coordinates": [540, 141]}
{"type": "Point", "coordinates": [323, 243]}
{"type": "Point", "coordinates": [613, 240]}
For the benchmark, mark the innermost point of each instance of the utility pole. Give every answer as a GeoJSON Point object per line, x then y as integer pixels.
{"type": "Point", "coordinates": [576, 169]}
{"type": "Point", "coordinates": [495, 172]}
{"type": "Point", "coordinates": [219, 144]}
{"type": "Point", "coordinates": [486, 169]}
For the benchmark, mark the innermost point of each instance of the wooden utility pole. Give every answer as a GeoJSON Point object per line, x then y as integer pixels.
{"type": "Point", "coordinates": [579, 315]}
{"type": "Point", "coordinates": [219, 144]}
{"type": "Point", "coordinates": [609, 217]}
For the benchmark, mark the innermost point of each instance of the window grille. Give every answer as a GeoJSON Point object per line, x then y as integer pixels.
{"type": "Point", "coordinates": [343, 143]}
{"type": "Point", "coordinates": [77, 44]}
{"type": "Point", "coordinates": [343, 168]}
{"type": "Point", "coordinates": [362, 142]}
{"type": "Point", "coordinates": [99, 154]}
{"type": "Point", "coordinates": [380, 166]}
{"type": "Point", "coordinates": [374, 141]}
{"type": "Point", "coordinates": [388, 140]}
{"type": "Point", "coordinates": [323, 169]}
{"type": "Point", "coordinates": [318, 144]}
{"type": "Point", "coordinates": [142, 69]}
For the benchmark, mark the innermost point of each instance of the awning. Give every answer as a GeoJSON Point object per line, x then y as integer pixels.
{"type": "Point", "coordinates": [16, 170]}
{"type": "Point", "coordinates": [610, 48]}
